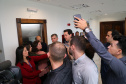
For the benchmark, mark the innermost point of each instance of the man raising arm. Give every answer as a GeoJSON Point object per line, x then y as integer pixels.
{"type": "Point", "coordinates": [115, 57]}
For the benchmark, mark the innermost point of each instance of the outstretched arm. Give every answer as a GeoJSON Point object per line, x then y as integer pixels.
{"type": "Point", "coordinates": [115, 64]}
{"type": "Point", "coordinates": [37, 58]}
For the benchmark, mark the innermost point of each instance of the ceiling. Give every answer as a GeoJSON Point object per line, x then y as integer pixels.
{"type": "Point", "coordinates": [94, 7]}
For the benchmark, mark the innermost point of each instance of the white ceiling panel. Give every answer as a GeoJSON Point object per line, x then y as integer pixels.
{"type": "Point", "coordinates": [95, 7]}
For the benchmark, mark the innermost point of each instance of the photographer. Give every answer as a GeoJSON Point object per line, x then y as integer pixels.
{"type": "Point", "coordinates": [26, 63]}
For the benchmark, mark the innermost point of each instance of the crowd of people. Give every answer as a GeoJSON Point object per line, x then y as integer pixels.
{"type": "Point", "coordinates": [72, 62]}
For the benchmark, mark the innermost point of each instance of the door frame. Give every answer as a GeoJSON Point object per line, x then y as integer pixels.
{"type": "Point", "coordinates": [20, 21]}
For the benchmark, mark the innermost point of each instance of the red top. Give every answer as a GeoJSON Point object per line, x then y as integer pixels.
{"type": "Point", "coordinates": [29, 74]}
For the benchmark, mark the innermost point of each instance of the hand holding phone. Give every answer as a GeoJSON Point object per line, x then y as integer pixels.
{"type": "Point", "coordinates": [77, 15]}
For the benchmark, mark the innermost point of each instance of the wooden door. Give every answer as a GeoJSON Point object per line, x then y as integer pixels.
{"type": "Point", "coordinates": [125, 28]}
{"type": "Point", "coordinates": [106, 26]}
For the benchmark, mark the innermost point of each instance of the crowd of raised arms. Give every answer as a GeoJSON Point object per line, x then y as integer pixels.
{"type": "Point", "coordinates": [71, 62]}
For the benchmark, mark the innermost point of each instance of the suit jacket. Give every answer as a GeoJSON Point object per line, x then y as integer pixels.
{"type": "Point", "coordinates": [30, 74]}
{"type": "Point", "coordinates": [117, 71]}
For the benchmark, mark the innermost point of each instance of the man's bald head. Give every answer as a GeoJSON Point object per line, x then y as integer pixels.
{"type": "Point", "coordinates": [57, 51]}
{"type": "Point", "coordinates": [38, 38]}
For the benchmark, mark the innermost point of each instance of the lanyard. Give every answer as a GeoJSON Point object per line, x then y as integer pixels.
{"type": "Point", "coordinates": [30, 64]}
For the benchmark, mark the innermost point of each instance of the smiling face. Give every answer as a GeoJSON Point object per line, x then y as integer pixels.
{"type": "Point", "coordinates": [39, 46]}
{"type": "Point", "coordinates": [25, 52]}
{"type": "Point", "coordinates": [67, 36]}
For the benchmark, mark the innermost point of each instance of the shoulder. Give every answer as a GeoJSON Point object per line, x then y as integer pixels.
{"type": "Point", "coordinates": [88, 61]}
{"type": "Point", "coordinates": [19, 65]}
{"type": "Point", "coordinates": [88, 66]}
{"type": "Point", "coordinates": [60, 75]}
{"type": "Point", "coordinates": [50, 78]}
{"type": "Point", "coordinates": [40, 53]}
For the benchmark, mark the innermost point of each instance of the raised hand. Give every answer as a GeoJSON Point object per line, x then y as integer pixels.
{"type": "Point", "coordinates": [80, 23]}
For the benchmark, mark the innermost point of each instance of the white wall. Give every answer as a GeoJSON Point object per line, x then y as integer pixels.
{"type": "Point", "coordinates": [113, 17]}
{"type": "Point", "coordinates": [2, 58]}
{"type": "Point", "coordinates": [57, 19]}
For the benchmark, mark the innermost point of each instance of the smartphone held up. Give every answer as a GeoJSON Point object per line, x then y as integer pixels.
{"type": "Point", "coordinates": [77, 15]}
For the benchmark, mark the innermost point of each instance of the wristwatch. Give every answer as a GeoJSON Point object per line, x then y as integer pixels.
{"type": "Point", "coordinates": [87, 30]}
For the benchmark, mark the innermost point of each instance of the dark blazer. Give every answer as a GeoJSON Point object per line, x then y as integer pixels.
{"type": "Point", "coordinates": [30, 74]}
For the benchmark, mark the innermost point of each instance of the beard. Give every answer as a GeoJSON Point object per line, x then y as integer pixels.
{"type": "Point", "coordinates": [70, 51]}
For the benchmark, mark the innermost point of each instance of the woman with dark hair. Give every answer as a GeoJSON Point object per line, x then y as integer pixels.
{"type": "Point", "coordinates": [29, 48]}
{"type": "Point", "coordinates": [36, 48]}
{"type": "Point", "coordinates": [27, 65]}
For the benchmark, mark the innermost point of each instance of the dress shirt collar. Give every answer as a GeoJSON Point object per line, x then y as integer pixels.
{"type": "Point", "coordinates": [79, 59]}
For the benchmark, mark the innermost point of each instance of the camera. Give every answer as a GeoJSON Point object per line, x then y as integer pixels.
{"type": "Point", "coordinates": [9, 74]}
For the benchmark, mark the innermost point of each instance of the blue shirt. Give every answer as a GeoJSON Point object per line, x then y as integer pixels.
{"type": "Point", "coordinates": [84, 71]}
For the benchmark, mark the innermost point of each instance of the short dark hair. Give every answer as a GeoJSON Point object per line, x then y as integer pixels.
{"type": "Point", "coordinates": [114, 32]}
{"type": "Point", "coordinates": [27, 45]}
{"type": "Point", "coordinates": [34, 46]}
{"type": "Point", "coordinates": [19, 55]}
{"type": "Point", "coordinates": [77, 32]}
{"type": "Point", "coordinates": [54, 35]}
{"type": "Point", "coordinates": [121, 43]}
{"type": "Point", "coordinates": [89, 51]}
{"type": "Point", "coordinates": [69, 31]}
{"type": "Point", "coordinates": [57, 51]}
{"type": "Point", "coordinates": [79, 42]}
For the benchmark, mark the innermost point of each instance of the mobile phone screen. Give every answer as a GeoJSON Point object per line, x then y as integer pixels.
{"type": "Point", "coordinates": [77, 15]}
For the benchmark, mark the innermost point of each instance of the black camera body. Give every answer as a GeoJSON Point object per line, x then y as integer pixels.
{"type": "Point", "coordinates": [9, 74]}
